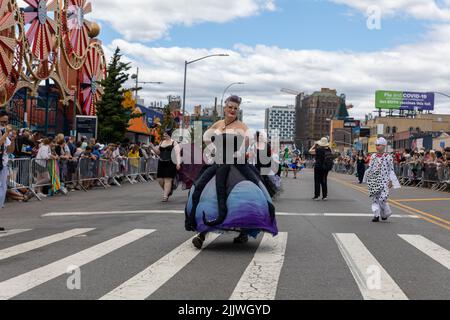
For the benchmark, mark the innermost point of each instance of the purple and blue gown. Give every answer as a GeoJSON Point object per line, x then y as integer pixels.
{"type": "Point", "coordinates": [230, 196]}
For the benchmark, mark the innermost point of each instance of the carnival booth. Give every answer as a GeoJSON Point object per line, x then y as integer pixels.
{"type": "Point", "coordinates": [51, 63]}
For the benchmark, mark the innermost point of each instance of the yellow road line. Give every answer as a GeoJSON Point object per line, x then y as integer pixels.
{"type": "Point", "coordinates": [418, 213]}
{"type": "Point", "coordinates": [422, 200]}
{"type": "Point", "coordinates": [398, 204]}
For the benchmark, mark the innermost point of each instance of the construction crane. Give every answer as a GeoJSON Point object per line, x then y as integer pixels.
{"type": "Point", "coordinates": [289, 91]}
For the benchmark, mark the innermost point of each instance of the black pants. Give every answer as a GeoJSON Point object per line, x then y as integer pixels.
{"type": "Point", "coordinates": [361, 172]}
{"type": "Point", "coordinates": [320, 179]}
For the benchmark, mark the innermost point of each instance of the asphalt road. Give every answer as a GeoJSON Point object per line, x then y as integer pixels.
{"type": "Point", "coordinates": [126, 244]}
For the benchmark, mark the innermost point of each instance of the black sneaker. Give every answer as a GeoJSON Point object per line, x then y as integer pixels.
{"type": "Point", "coordinates": [243, 238]}
{"type": "Point", "coordinates": [376, 219]}
{"type": "Point", "coordinates": [384, 219]}
{"type": "Point", "coordinates": [2, 229]}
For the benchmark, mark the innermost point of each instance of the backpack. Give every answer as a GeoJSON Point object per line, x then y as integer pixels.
{"type": "Point", "coordinates": [328, 162]}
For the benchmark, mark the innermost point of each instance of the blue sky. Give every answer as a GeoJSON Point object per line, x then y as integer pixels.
{"type": "Point", "coordinates": [306, 24]}
{"type": "Point", "coordinates": [303, 45]}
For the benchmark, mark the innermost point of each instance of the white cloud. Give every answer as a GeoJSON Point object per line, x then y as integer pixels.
{"type": "Point", "coordinates": [421, 66]}
{"type": "Point", "coordinates": [145, 20]}
{"type": "Point", "coordinates": [419, 9]}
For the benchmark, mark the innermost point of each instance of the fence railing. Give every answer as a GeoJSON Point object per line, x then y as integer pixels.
{"type": "Point", "coordinates": [434, 176]}
{"type": "Point", "coordinates": [57, 175]}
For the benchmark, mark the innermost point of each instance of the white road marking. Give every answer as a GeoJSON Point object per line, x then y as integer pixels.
{"type": "Point", "coordinates": [39, 243]}
{"type": "Point", "coordinates": [401, 216]}
{"type": "Point", "coordinates": [293, 214]}
{"type": "Point", "coordinates": [11, 232]}
{"type": "Point", "coordinates": [22, 283]}
{"type": "Point", "coordinates": [94, 213]}
{"type": "Point", "coordinates": [145, 283]}
{"type": "Point", "coordinates": [373, 281]}
{"type": "Point", "coordinates": [260, 279]}
{"type": "Point", "coordinates": [428, 247]}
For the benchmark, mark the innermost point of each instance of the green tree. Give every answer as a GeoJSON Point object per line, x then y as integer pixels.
{"type": "Point", "coordinates": [113, 118]}
{"type": "Point", "coordinates": [168, 121]}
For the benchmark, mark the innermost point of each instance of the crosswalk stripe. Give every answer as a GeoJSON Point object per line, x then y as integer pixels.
{"type": "Point", "coordinates": [373, 281]}
{"type": "Point", "coordinates": [428, 247]}
{"type": "Point", "coordinates": [145, 283]}
{"type": "Point", "coordinates": [39, 243]}
{"type": "Point", "coordinates": [11, 232]}
{"type": "Point", "coordinates": [260, 279]}
{"type": "Point", "coordinates": [22, 283]}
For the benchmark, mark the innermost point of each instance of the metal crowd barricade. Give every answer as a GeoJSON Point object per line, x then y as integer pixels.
{"type": "Point", "coordinates": [407, 176]}
{"type": "Point", "coordinates": [143, 176]}
{"type": "Point", "coordinates": [134, 169]}
{"type": "Point", "coordinates": [429, 175]}
{"type": "Point", "coordinates": [444, 178]}
{"type": "Point", "coordinates": [120, 169]}
{"type": "Point", "coordinates": [441, 183]}
{"type": "Point", "coordinates": [398, 169]}
{"type": "Point", "coordinates": [35, 174]}
{"type": "Point", "coordinates": [20, 175]}
{"type": "Point", "coordinates": [89, 171]}
{"type": "Point", "coordinates": [69, 173]}
{"type": "Point", "coordinates": [151, 168]}
{"type": "Point", "coordinates": [45, 173]}
{"type": "Point", "coordinates": [104, 172]}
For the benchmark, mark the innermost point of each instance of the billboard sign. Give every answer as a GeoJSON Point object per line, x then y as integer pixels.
{"type": "Point", "coordinates": [86, 126]}
{"type": "Point", "coordinates": [357, 131]}
{"type": "Point", "coordinates": [352, 123]}
{"type": "Point", "coordinates": [404, 100]}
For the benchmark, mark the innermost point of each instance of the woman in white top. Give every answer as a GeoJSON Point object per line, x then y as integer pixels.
{"type": "Point", "coordinates": [43, 156]}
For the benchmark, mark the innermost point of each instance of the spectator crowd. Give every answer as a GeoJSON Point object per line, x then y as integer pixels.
{"type": "Point", "coordinates": [68, 155]}
{"type": "Point", "coordinates": [419, 167]}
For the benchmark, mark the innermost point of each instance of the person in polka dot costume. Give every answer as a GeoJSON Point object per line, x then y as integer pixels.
{"type": "Point", "coordinates": [380, 178]}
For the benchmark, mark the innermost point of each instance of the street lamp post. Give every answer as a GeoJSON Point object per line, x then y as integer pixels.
{"type": "Point", "coordinates": [136, 77]}
{"type": "Point", "coordinates": [75, 93]}
{"type": "Point", "coordinates": [226, 89]}
{"type": "Point", "coordinates": [186, 63]}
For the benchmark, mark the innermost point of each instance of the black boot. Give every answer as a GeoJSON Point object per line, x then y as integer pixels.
{"type": "Point", "coordinates": [376, 219]}
{"type": "Point", "coordinates": [198, 240]}
{"type": "Point", "coordinates": [241, 239]}
{"type": "Point", "coordinates": [2, 229]}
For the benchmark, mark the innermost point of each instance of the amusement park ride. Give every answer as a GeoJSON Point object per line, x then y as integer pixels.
{"type": "Point", "coordinates": [50, 63]}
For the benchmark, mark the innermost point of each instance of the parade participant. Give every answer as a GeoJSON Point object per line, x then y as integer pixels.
{"type": "Point", "coordinates": [361, 167]}
{"type": "Point", "coordinates": [167, 167]}
{"type": "Point", "coordinates": [7, 146]}
{"type": "Point", "coordinates": [322, 166]}
{"type": "Point", "coordinates": [380, 177]}
{"type": "Point", "coordinates": [296, 165]}
{"type": "Point", "coordinates": [267, 164]}
{"type": "Point", "coordinates": [229, 195]}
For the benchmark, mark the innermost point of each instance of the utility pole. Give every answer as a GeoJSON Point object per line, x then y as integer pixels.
{"type": "Point", "coordinates": [137, 84]}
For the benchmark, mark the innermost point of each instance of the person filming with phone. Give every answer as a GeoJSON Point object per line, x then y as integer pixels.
{"type": "Point", "coordinates": [7, 146]}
